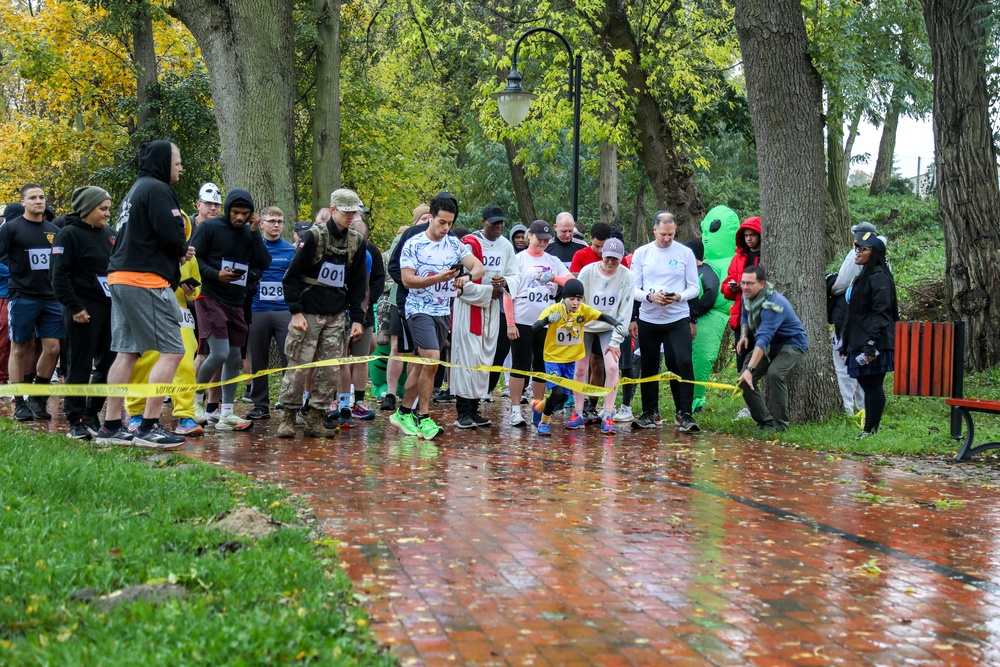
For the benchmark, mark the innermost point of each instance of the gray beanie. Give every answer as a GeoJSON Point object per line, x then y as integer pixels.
{"type": "Point", "coordinates": [87, 198]}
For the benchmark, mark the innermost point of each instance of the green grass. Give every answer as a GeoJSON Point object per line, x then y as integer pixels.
{"type": "Point", "coordinates": [911, 426]}
{"type": "Point", "coordinates": [73, 516]}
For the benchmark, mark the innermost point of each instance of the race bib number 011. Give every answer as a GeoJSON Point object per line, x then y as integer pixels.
{"type": "Point", "coordinates": [331, 275]}
{"type": "Point", "coordinates": [565, 337]}
{"type": "Point", "coordinates": [271, 291]}
{"type": "Point", "coordinates": [38, 258]}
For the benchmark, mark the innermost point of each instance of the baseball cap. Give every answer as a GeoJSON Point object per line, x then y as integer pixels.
{"type": "Point", "coordinates": [301, 226]}
{"type": "Point", "coordinates": [210, 194]}
{"type": "Point", "coordinates": [540, 230]}
{"type": "Point", "coordinates": [613, 248]}
{"type": "Point", "coordinates": [493, 213]}
{"type": "Point", "coordinates": [869, 240]}
{"type": "Point", "coordinates": [346, 200]}
{"type": "Point", "coordinates": [863, 227]}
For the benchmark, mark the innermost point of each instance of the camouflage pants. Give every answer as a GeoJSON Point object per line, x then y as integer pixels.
{"type": "Point", "coordinates": [322, 339]}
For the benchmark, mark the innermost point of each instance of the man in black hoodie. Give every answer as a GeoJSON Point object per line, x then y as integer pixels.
{"type": "Point", "coordinates": [228, 247]}
{"type": "Point", "coordinates": [143, 273]}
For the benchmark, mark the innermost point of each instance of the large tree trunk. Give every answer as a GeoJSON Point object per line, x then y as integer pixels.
{"type": "Point", "coordinates": [639, 214]}
{"type": "Point", "coordinates": [785, 97]}
{"type": "Point", "coordinates": [886, 146]}
{"type": "Point", "coordinates": [326, 111]}
{"type": "Point", "coordinates": [838, 219]}
{"type": "Point", "coordinates": [249, 52]}
{"type": "Point", "coordinates": [522, 191]}
{"type": "Point", "coordinates": [852, 136]}
{"type": "Point", "coordinates": [669, 171]}
{"type": "Point", "coordinates": [144, 58]}
{"type": "Point", "coordinates": [609, 184]}
{"type": "Point", "coordinates": [968, 194]}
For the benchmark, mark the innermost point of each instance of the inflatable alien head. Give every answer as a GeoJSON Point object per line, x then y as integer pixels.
{"type": "Point", "coordinates": [718, 233]}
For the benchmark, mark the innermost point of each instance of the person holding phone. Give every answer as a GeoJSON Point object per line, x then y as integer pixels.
{"type": "Point", "coordinates": [227, 248]}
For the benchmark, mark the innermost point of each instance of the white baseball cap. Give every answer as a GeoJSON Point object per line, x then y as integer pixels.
{"type": "Point", "coordinates": [210, 194]}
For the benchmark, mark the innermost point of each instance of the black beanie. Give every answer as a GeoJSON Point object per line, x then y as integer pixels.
{"type": "Point", "coordinates": [573, 287]}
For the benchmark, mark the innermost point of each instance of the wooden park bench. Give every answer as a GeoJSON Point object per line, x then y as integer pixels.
{"type": "Point", "coordinates": [930, 362]}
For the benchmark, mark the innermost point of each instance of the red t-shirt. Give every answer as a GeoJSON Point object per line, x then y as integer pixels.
{"type": "Point", "coordinates": [582, 258]}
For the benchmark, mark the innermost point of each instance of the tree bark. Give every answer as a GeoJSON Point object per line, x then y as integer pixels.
{"type": "Point", "coordinates": [249, 52]}
{"type": "Point", "coordinates": [608, 184]}
{"type": "Point", "coordinates": [669, 171]}
{"type": "Point", "coordinates": [886, 146]}
{"type": "Point", "coordinates": [639, 213]}
{"type": "Point", "coordinates": [852, 136]}
{"type": "Point", "coordinates": [519, 180]}
{"type": "Point", "coordinates": [968, 193]}
{"type": "Point", "coordinates": [785, 97]}
{"type": "Point", "coordinates": [838, 220]}
{"type": "Point", "coordinates": [326, 168]}
{"type": "Point", "coordinates": [144, 59]}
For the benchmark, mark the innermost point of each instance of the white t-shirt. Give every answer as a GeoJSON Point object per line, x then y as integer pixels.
{"type": "Point", "coordinates": [612, 295]}
{"type": "Point", "coordinates": [671, 269]}
{"type": "Point", "coordinates": [532, 296]}
{"type": "Point", "coordinates": [429, 258]}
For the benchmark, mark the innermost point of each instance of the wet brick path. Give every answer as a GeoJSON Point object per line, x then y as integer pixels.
{"type": "Point", "coordinates": [497, 547]}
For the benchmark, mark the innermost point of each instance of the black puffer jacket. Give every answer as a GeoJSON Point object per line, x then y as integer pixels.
{"type": "Point", "coordinates": [872, 311]}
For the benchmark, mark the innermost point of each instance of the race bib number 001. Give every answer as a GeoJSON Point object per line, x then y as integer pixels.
{"type": "Point", "coordinates": [331, 275]}
{"type": "Point", "coordinates": [38, 258]}
{"type": "Point", "coordinates": [271, 291]}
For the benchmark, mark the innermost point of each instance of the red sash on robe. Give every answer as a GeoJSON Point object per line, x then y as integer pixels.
{"type": "Point", "coordinates": [475, 312]}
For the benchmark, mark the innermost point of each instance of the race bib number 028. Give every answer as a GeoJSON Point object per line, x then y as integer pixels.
{"type": "Point", "coordinates": [271, 291]}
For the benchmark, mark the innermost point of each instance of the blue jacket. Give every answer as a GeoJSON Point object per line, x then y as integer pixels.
{"type": "Point", "coordinates": [4, 275]}
{"type": "Point", "coordinates": [778, 329]}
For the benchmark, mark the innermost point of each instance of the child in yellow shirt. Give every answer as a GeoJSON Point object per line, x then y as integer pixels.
{"type": "Point", "coordinates": [563, 348]}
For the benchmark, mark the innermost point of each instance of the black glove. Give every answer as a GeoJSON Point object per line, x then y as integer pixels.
{"type": "Point", "coordinates": [869, 350]}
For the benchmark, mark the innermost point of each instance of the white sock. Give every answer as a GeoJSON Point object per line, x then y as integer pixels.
{"type": "Point", "coordinates": [227, 409]}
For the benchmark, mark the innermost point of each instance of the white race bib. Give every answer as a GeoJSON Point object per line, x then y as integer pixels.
{"type": "Point", "coordinates": [226, 264]}
{"type": "Point", "coordinates": [493, 260]}
{"type": "Point", "coordinates": [103, 282]}
{"type": "Point", "coordinates": [604, 301]}
{"type": "Point", "coordinates": [187, 319]}
{"type": "Point", "coordinates": [271, 291]}
{"type": "Point", "coordinates": [539, 294]}
{"type": "Point", "coordinates": [38, 258]}
{"type": "Point", "coordinates": [331, 275]}
{"type": "Point", "coordinates": [565, 337]}
{"type": "Point", "coordinates": [445, 290]}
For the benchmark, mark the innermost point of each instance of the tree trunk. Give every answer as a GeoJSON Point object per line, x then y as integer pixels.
{"type": "Point", "coordinates": [249, 52]}
{"type": "Point", "coordinates": [785, 97]}
{"type": "Point", "coordinates": [669, 171]}
{"type": "Point", "coordinates": [144, 58]}
{"type": "Point", "coordinates": [852, 136]}
{"type": "Point", "coordinates": [326, 112]}
{"type": "Point", "coordinates": [886, 146]}
{"type": "Point", "coordinates": [838, 222]}
{"type": "Point", "coordinates": [522, 191]}
{"type": "Point", "coordinates": [609, 184]}
{"type": "Point", "coordinates": [968, 194]}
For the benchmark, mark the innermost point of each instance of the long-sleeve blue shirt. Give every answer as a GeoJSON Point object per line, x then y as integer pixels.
{"type": "Point", "coordinates": [270, 295]}
{"type": "Point", "coordinates": [778, 329]}
{"type": "Point", "coordinates": [4, 275]}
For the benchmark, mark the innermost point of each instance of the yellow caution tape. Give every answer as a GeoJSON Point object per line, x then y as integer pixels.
{"type": "Point", "coordinates": [146, 390]}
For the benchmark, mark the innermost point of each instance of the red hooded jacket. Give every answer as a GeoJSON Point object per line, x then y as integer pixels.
{"type": "Point", "coordinates": [731, 285]}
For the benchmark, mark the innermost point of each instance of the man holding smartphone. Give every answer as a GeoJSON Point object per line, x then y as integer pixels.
{"type": "Point", "coordinates": [666, 278]}
{"type": "Point", "coordinates": [227, 248]}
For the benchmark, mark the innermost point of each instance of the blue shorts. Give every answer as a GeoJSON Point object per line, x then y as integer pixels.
{"type": "Point", "coordinates": [32, 318]}
{"type": "Point", "coordinates": [562, 370]}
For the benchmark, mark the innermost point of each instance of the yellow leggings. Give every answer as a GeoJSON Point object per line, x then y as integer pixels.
{"type": "Point", "coordinates": [183, 403]}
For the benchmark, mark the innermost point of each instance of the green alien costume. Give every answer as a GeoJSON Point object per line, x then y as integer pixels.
{"type": "Point", "coordinates": [718, 233]}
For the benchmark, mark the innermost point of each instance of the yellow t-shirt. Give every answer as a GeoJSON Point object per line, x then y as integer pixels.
{"type": "Point", "coordinates": [564, 339]}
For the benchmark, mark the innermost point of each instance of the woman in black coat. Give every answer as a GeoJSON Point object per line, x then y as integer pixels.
{"type": "Point", "coordinates": [870, 331]}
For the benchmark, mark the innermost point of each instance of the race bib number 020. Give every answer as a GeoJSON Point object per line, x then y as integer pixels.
{"type": "Point", "coordinates": [493, 261]}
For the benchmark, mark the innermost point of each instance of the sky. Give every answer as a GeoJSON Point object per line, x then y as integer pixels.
{"type": "Point", "coordinates": [914, 139]}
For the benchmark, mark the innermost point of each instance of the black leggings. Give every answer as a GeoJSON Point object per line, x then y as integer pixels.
{"type": "Point", "coordinates": [874, 399]}
{"type": "Point", "coordinates": [527, 351]}
{"type": "Point", "coordinates": [89, 356]}
{"type": "Point", "coordinates": [675, 340]}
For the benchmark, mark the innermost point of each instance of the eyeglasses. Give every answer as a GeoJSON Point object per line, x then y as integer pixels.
{"type": "Point", "coordinates": [210, 203]}
{"type": "Point", "coordinates": [276, 221]}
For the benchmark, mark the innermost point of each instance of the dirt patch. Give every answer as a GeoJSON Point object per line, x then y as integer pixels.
{"type": "Point", "coordinates": [246, 522]}
{"type": "Point", "coordinates": [983, 469]}
{"type": "Point", "coordinates": [152, 593]}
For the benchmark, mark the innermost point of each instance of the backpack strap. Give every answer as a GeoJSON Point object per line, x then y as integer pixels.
{"type": "Point", "coordinates": [327, 247]}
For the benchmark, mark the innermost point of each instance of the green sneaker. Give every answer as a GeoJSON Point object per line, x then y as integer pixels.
{"type": "Point", "coordinates": [405, 423]}
{"type": "Point", "coordinates": [429, 429]}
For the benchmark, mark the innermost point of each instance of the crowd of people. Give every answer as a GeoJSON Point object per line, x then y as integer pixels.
{"type": "Point", "coordinates": [161, 298]}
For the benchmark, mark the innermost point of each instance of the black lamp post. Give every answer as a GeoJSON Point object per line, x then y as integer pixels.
{"type": "Point", "coordinates": [514, 102]}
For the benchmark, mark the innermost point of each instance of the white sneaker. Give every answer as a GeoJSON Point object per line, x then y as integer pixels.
{"type": "Point", "coordinates": [505, 393]}
{"type": "Point", "coordinates": [517, 419]}
{"type": "Point", "coordinates": [199, 414]}
{"type": "Point", "coordinates": [233, 422]}
{"type": "Point", "coordinates": [624, 414]}
{"type": "Point", "coordinates": [742, 414]}
{"type": "Point", "coordinates": [214, 415]}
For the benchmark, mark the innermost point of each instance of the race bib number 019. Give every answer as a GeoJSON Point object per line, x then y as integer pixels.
{"type": "Point", "coordinates": [271, 291]}
{"type": "Point", "coordinates": [38, 258]}
{"type": "Point", "coordinates": [331, 275]}
{"type": "Point", "coordinates": [604, 300]}
{"type": "Point", "coordinates": [566, 337]}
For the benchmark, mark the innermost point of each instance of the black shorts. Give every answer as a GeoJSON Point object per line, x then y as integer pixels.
{"type": "Point", "coordinates": [528, 350]}
{"type": "Point", "coordinates": [399, 328]}
{"type": "Point", "coordinates": [430, 332]}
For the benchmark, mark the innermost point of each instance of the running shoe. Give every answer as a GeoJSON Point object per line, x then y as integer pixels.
{"type": "Point", "coordinates": [743, 414]}
{"type": "Point", "coordinates": [576, 421]}
{"type": "Point", "coordinates": [120, 436]}
{"type": "Point", "coordinates": [608, 426]}
{"type": "Point", "coordinates": [465, 421]}
{"type": "Point", "coordinates": [428, 429]}
{"type": "Point", "coordinates": [188, 426]}
{"type": "Point", "coordinates": [624, 414]}
{"type": "Point", "coordinates": [158, 438]}
{"type": "Point", "coordinates": [388, 403]}
{"type": "Point", "coordinates": [480, 420]}
{"type": "Point", "coordinates": [78, 431]}
{"type": "Point", "coordinates": [405, 423]}
{"type": "Point", "coordinates": [544, 429]}
{"type": "Point", "coordinates": [199, 414]}
{"type": "Point", "coordinates": [346, 418]}
{"type": "Point", "coordinates": [536, 411]}
{"type": "Point", "coordinates": [22, 412]}
{"type": "Point", "coordinates": [259, 413]}
{"type": "Point", "coordinates": [37, 405]}
{"type": "Point", "coordinates": [688, 424]}
{"type": "Point", "coordinates": [134, 423]}
{"type": "Point", "coordinates": [214, 415]}
{"type": "Point", "coordinates": [645, 420]}
{"type": "Point", "coordinates": [363, 412]}
{"type": "Point", "coordinates": [233, 422]}
{"type": "Point", "coordinates": [517, 419]}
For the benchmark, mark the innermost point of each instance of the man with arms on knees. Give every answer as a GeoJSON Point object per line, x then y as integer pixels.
{"type": "Point", "coordinates": [228, 248]}
{"type": "Point", "coordinates": [565, 244]}
{"type": "Point", "coordinates": [666, 278]}
{"type": "Point", "coordinates": [779, 341]}
{"type": "Point", "coordinates": [431, 267]}
{"type": "Point", "coordinates": [143, 272]}
{"type": "Point", "coordinates": [326, 278]}
{"type": "Point", "coordinates": [270, 313]}
{"type": "Point", "coordinates": [26, 246]}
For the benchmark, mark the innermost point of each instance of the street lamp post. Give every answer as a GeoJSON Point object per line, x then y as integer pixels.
{"type": "Point", "coordinates": [513, 102]}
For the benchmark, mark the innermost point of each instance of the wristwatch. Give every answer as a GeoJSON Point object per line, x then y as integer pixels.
{"type": "Point", "coordinates": [752, 369]}
{"type": "Point", "coordinates": [649, 297]}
